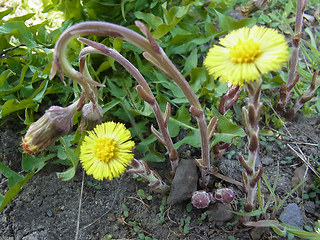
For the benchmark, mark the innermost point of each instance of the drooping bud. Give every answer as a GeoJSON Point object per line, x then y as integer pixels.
{"type": "Point", "coordinates": [56, 122]}
{"type": "Point", "coordinates": [91, 115]}
{"type": "Point", "coordinates": [201, 199]}
{"type": "Point", "coordinates": [223, 195]}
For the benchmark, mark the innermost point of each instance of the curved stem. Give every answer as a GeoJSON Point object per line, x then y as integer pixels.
{"type": "Point", "coordinates": [152, 49]}
{"type": "Point", "coordinates": [102, 49]}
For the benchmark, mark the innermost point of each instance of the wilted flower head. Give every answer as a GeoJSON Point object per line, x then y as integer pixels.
{"type": "Point", "coordinates": [56, 122]}
{"type": "Point", "coordinates": [91, 115]}
{"type": "Point", "coordinates": [247, 53]}
{"type": "Point", "coordinates": [106, 151]}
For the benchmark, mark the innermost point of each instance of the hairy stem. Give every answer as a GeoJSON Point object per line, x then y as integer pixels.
{"type": "Point", "coordinates": [285, 91]}
{"type": "Point", "coordinates": [144, 91]}
{"type": "Point", "coordinates": [153, 52]}
{"type": "Point", "coordinates": [251, 116]}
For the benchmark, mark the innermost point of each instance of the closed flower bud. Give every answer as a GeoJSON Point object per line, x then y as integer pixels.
{"type": "Point", "coordinates": [223, 195]}
{"type": "Point", "coordinates": [56, 122]}
{"type": "Point", "coordinates": [91, 116]}
{"type": "Point", "coordinates": [201, 199]}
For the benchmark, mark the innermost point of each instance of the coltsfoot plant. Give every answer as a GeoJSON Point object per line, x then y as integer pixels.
{"type": "Point", "coordinates": [241, 59]}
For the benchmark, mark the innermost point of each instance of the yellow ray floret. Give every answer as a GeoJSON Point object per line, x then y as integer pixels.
{"type": "Point", "coordinates": [247, 53]}
{"type": "Point", "coordinates": [106, 151]}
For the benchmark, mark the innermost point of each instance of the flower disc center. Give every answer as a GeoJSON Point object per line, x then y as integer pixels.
{"type": "Point", "coordinates": [105, 149]}
{"type": "Point", "coordinates": [245, 51]}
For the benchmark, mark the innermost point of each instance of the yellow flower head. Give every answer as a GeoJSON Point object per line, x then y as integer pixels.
{"type": "Point", "coordinates": [106, 151]}
{"type": "Point", "coordinates": [247, 53]}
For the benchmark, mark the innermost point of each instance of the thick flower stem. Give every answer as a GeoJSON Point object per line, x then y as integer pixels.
{"type": "Point", "coordinates": [305, 97]}
{"type": "Point", "coordinates": [229, 99]}
{"type": "Point", "coordinates": [161, 60]}
{"type": "Point", "coordinates": [205, 148]}
{"type": "Point", "coordinates": [141, 168]}
{"type": "Point", "coordinates": [143, 90]}
{"type": "Point", "coordinates": [226, 103]}
{"type": "Point", "coordinates": [285, 91]}
{"type": "Point", "coordinates": [153, 52]}
{"type": "Point", "coordinates": [251, 116]}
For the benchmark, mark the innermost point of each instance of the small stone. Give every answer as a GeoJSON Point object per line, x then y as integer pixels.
{"type": "Point", "coordinates": [256, 233]}
{"type": "Point", "coordinates": [292, 215]}
{"type": "Point", "coordinates": [258, 162]}
{"type": "Point", "coordinates": [49, 213]}
{"type": "Point", "coordinates": [299, 175]}
{"type": "Point", "coordinates": [184, 182]}
{"type": "Point", "coordinates": [36, 235]}
{"type": "Point", "coordinates": [230, 168]}
{"type": "Point", "coordinates": [309, 207]}
{"type": "Point", "coordinates": [266, 160]}
{"type": "Point", "coordinates": [219, 212]}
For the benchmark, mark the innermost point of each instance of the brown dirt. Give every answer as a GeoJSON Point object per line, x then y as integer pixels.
{"type": "Point", "coordinates": [48, 208]}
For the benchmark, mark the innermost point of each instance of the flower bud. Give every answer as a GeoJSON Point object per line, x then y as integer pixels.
{"type": "Point", "coordinates": [91, 116]}
{"type": "Point", "coordinates": [223, 195]}
{"type": "Point", "coordinates": [56, 122]}
{"type": "Point", "coordinates": [201, 199]}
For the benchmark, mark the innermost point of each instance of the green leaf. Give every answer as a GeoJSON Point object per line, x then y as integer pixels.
{"type": "Point", "coordinates": [191, 61]}
{"type": "Point", "coordinates": [117, 91]}
{"type": "Point", "coordinates": [278, 228]}
{"type": "Point", "coordinates": [73, 159]}
{"type": "Point", "coordinates": [6, 12]}
{"type": "Point", "coordinates": [227, 130]}
{"type": "Point", "coordinates": [40, 91]}
{"type": "Point", "coordinates": [150, 19]}
{"type": "Point", "coordinates": [20, 31]}
{"type": "Point", "coordinates": [1, 198]}
{"type": "Point", "coordinates": [197, 77]}
{"type": "Point", "coordinates": [35, 163]}
{"type": "Point", "coordinates": [12, 192]}
{"type": "Point", "coordinates": [5, 75]}
{"type": "Point", "coordinates": [103, 10]}
{"type": "Point", "coordinates": [72, 9]}
{"type": "Point", "coordinates": [220, 88]}
{"type": "Point", "coordinates": [181, 119]}
{"type": "Point", "coordinates": [13, 105]}
{"type": "Point", "coordinates": [144, 145]}
{"type": "Point", "coordinates": [186, 229]}
{"type": "Point", "coordinates": [228, 24]}
{"type": "Point", "coordinates": [153, 156]}
{"type": "Point", "coordinates": [274, 82]}
{"type": "Point", "coordinates": [192, 138]}
{"type": "Point", "coordinates": [22, 18]}
{"type": "Point", "coordinates": [18, 86]}
{"type": "Point", "coordinates": [172, 17]}
{"type": "Point", "coordinates": [249, 214]}
{"type": "Point", "coordinates": [110, 105]}
{"type": "Point", "coordinates": [12, 176]}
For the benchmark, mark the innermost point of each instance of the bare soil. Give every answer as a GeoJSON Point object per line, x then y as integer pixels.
{"type": "Point", "coordinates": [48, 208]}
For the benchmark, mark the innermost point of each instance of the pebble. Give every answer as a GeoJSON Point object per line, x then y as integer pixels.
{"type": "Point", "coordinates": [256, 233]}
{"type": "Point", "coordinates": [267, 160]}
{"type": "Point", "coordinates": [49, 213]}
{"type": "Point", "coordinates": [35, 235]}
{"type": "Point", "coordinates": [292, 215]}
{"type": "Point", "coordinates": [184, 182]}
{"type": "Point", "coordinates": [219, 212]}
{"type": "Point", "coordinates": [309, 207]}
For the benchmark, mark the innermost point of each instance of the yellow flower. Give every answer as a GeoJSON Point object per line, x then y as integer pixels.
{"type": "Point", "coordinates": [247, 53]}
{"type": "Point", "coordinates": [106, 151]}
